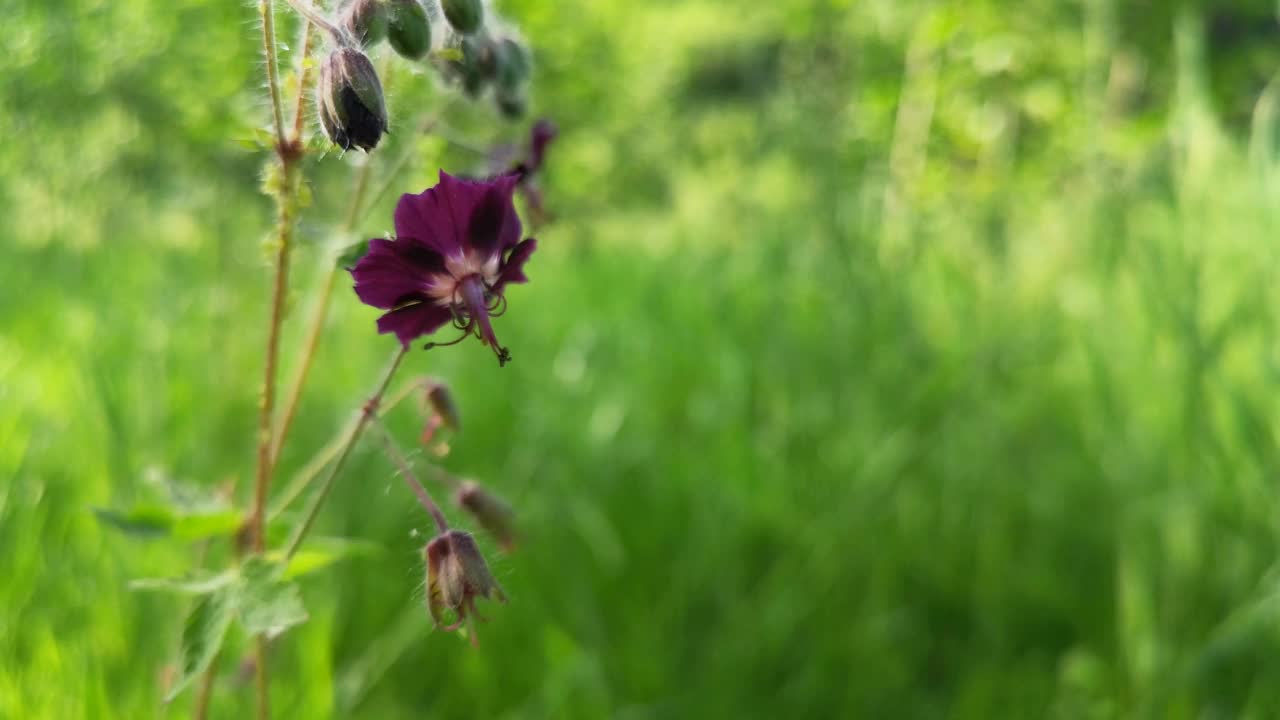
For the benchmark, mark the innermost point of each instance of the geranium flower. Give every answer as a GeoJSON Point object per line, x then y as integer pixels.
{"type": "Point", "coordinates": [456, 249]}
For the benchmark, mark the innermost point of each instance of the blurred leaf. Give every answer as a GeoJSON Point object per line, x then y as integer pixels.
{"type": "Point", "coordinates": [199, 584]}
{"type": "Point", "coordinates": [320, 553]}
{"type": "Point", "coordinates": [159, 520]}
{"type": "Point", "coordinates": [202, 636]}
{"type": "Point", "coordinates": [143, 520]}
{"type": "Point", "coordinates": [268, 603]}
{"type": "Point", "coordinates": [351, 254]}
{"type": "Point", "coordinates": [197, 526]}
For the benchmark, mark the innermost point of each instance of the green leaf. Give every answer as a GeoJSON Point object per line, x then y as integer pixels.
{"type": "Point", "coordinates": [322, 552]}
{"type": "Point", "coordinates": [150, 520]}
{"type": "Point", "coordinates": [202, 636]}
{"type": "Point", "coordinates": [268, 602]}
{"type": "Point", "coordinates": [142, 520]}
{"type": "Point", "coordinates": [351, 254]}
{"type": "Point", "coordinates": [207, 524]}
{"type": "Point", "coordinates": [197, 584]}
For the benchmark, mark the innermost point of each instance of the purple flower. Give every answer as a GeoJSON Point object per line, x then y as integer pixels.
{"type": "Point", "coordinates": [457, 247]}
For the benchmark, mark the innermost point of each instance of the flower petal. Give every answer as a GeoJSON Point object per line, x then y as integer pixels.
{"type": "Point", "coordinates": [414, 321]}
{"type": "Point", "coordinates": [423, 217]}
{"type": "Point", "coordinates": [494, 225]}
{"type": "Point", "coordinates": [513, 269]}
{"type": "Point", "coordinates": [394, 271]}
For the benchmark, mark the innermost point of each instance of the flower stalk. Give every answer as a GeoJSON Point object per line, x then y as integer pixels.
{"type": "Point", "coordinates": [367, 413]}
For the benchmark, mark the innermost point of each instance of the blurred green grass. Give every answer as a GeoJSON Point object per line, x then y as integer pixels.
{"type": "Point", "coordinates": [885, 359]}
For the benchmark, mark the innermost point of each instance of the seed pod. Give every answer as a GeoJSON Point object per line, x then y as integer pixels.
{"type": "Point", "coordinates": [408, 29]}
{"type": "Point", "coordinates": [366, 20]}
{"type": "Point", "coordinates": [466, 16]}
{"type": "Point", "coordinates": [350, 102]}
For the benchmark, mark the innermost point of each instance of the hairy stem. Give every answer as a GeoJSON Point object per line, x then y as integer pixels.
{"type": "Point", "coordinates": [302, 480]}
{"type": "Point", "coordinates": [304, 75]}
{"type": "Point", "coordinates": [319, 313]}
{"type": "Point", "coordinates": [267, 11]}
{"type": "Point", "coordinates": [315, 16]}
{"type": "Point", "coordinates": [406, 472]}
{"type": "Point", "coordinates": [367, 413]}
{"type": "Point", "coordinates": [284, 205]}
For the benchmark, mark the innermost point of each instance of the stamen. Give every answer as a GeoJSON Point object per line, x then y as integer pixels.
{"type": "Point", "coordinates": [498, 307]}
{"type": "Point", "coordinates": [459, 339]}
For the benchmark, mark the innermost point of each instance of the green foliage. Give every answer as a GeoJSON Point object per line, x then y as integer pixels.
{"type": "Point", "coordinates": [885, 359]}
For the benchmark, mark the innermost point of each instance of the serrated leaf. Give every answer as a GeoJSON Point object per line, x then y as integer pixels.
{"type": "Point", "coordinates": [351, 254]}
{"type": "Point", "coordinates": [198, 584]}
{"type": "Point", "coordinates": [143, 520]}
{"type": "Point", "coordinates": [268, 603]}
{"type": "Point", "coordinates": [202, 636]}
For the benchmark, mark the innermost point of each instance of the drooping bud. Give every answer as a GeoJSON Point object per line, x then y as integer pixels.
{"type": "Point", "coordinates": [490, 511]}
{"type": "Point", "coordinates": [466, 16]}
{"type": "Point", "coordinates": [442, 404]}
{"type": "Point", "coordinates": [456, 575]}
{"type": "Point", "coordinates": [350, 102]}
{"type": "Point", "coordinates": [408, 29]}
{"type": "Point", "coordinates": [366, 20]}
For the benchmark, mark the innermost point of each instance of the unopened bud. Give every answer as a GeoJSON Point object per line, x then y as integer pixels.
{"type": "Point", "coordinates": [456, 575]}
{"type": "Point", "coordinates": [466, 16]}
{"type": "Point", "coordinates": [479, 64]}
{"type": "Point", "coordinates": [441, 401]}
{"type": "Point", "coordinates": [490, 511]}
{"type": "Point", "coordinates": [513, 64]}
{"type": "Point", "coordinates": [511, 103]}
{"type": "Point", "coordinates": [350, 102]}
{"type": "Point", "coordinates": [408, 29]}
{"type": "Point", "coordinates": [366, 20]}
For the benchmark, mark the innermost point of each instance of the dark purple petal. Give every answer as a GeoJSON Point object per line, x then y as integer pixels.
{"type": "Point", "coordinates": [513, 269]}
{"type": "Point", "coordinates": [482, 213]}
{"type": "Point", "coordinates": [424, 218]}
{"type": "Point", "coordinates": [494, 226]}
{"type": "Point", "coordinates": [414, 321]}
{"type": "Point", "coordinates": [394, 271]}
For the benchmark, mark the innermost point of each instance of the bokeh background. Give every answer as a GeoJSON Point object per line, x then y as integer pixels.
{"type": "Point", "coordinates": [885, 359]}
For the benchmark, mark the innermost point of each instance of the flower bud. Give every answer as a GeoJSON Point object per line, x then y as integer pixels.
{"type": "Point", "coordinates": [511, 103]}
{"type": "Point", "coordinates": [442, 404]}
{"type": "Point", "coordinates": [456, 575]}
{"type": "Point", "coordinates": [479, 64]}
{"type": "Point", "coordinates": [366, 20]}
{"type": "Point", "coordinates": [490, 511]}
{"type": "Point", "coordinates": [465, 16]}
{"type": "Point", "coordinates": [408, 29]}
{"type": "Point", "coordinates": [350, 102]}
{"type": "Point", "coordinates": [513, 64]}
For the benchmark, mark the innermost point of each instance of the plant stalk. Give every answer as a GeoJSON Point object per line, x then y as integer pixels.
{"type": "Point", "coordinates": [367, 413]}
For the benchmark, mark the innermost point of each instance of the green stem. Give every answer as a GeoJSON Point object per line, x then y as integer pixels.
{"type": "Point", "coordinates": [410, 479]}
{"type": "Point", "coordinates": [284, 204]}
{"type": "Point", "coordinates": [367, 413]}
{"type": "Point", "coordinates": [319, 314]}
{"type": "Point", "coordinates": [267, 11]}
{"type": "Point", "coordinates": [321, 459]}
